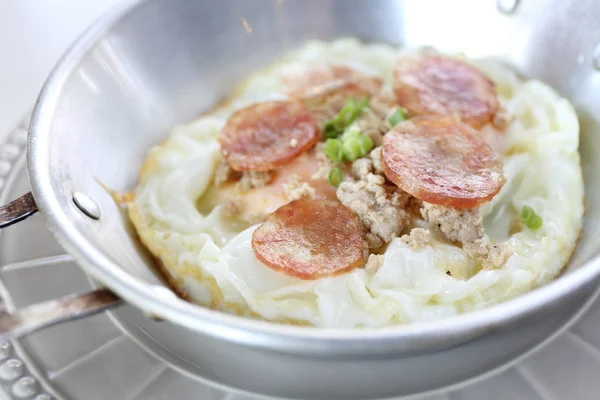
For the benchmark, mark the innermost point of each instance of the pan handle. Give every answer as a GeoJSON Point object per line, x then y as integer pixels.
{"type": "Point", "coordinates": [48, 313]}
{"type": "Point", "coordinates": [17, 210]}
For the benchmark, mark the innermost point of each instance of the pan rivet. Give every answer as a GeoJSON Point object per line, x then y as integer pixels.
{"type": "Point", "coordinates": [86, 205]}
{"type": "Point", "coordinates": [597, 57]}
{"type": "Point", "coordinates": [507, 6]}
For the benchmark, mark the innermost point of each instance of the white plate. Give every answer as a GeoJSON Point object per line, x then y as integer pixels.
{"type": "Point", "coordinates": [97, 359]}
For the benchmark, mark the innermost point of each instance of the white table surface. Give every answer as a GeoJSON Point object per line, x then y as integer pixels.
{"type": "Point", "coordinates": [33, 36]}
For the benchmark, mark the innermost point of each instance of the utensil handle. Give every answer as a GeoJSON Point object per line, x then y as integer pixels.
{"type": "Point", "coordinates": [17, 210]}
{"type": "Point", "coordinates": [42, 315]}
{"type": "Point", "coordinates": [45, 314]}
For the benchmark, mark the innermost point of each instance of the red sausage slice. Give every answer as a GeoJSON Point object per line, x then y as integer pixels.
{"type": "Point", "coordinates": [310, 239]}
{"type": "Point", "coordinates": [267, 135]}
{"type": "Point", "coordinates": [334, 93]}
{"type": "Point", "coordinates": [305, 82]}
{"type": "Point", "coordinates": [445, 86]}
{"type": "Point", "coordinates": [442, 161]}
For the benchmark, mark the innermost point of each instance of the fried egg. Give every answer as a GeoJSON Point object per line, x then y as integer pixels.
{"type": "Point", "coordinates": [208, 257]}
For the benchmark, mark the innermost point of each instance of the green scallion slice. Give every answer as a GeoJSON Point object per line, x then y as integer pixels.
{"type": "Point", "coordinates": [335, 177]}
{"type": "Point", "coordinates": [334, 150]}
{"type": "Point", "coordinates": [346, 116]}
{"type": "Point", "coordinates": [397, 116]}
{"type": "Point", "coordinates": [352, 149]}
{"type": "Point", "coordinates": [530, 219]}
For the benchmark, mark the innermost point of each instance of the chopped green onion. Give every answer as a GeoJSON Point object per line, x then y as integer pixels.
{"type": "Point", "coordinates": [348, 109]}
{"type": "Point", "coordinates": [526, 213]}
{"type": "Point", "coordinates": [332, 129]}
{"type": "Point", "coordinates": [352, 145]}
{"type": "Point", "coordinates": [363, 102]}
{"type": "Point", "coordinates": [366, 144]}
{"type": "Point", "coordinates": [346, 116]}
{"type": "Point", "coordinates": [355, 144]}
{"type": "Point", "coordinates": [397, 116]}
{"type": "Point", "coordinates": [351, 131]}
{"type": "Point", "coordinates": [535, 223]}
{"type": "Point", "coordinates": [334, 150]}
{"type": "Point", "coordinates": [335, 177]}
{"type": "Point", "coordinates": [358, 108]}
{"type": "Point", "coordinates": [530, 218]}
{"type": "Point", "coordinates": [352, 149]}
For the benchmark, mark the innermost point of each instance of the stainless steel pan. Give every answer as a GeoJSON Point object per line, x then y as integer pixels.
{"type": "Point", "coordinates": [155, 63]}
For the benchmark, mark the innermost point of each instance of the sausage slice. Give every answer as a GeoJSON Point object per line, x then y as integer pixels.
{"type": "Point", "coordinates": [440, 85]}
{"type": "Point", "coordinates": [310, 239]}
{"type": "Point", "coordinates": [442, 161]}
{"type": "Point", "coordinates": [306, 82]}
{"type": "Point", "coordinates": [267, 135]}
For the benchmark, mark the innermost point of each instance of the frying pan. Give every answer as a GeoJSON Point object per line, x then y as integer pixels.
{"type": "Point", "coordinates": [151, 64]}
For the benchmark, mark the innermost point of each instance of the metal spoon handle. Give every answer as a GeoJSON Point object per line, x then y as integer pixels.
{"type": "Point", "coordinates": [42, 315]}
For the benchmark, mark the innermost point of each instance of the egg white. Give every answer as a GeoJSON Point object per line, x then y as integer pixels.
{"type": "Point", "coordinates": [211, 262]}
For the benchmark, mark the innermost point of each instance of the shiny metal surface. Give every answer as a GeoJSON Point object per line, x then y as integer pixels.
{"type": "Point", "coordinates": [156, 63]}
{"type": "Point", "coordinates": [507, 6]}
{"type": "Point", "coordinates": [87, 205]}
{"type": "Point", "coordinates": [596, 57]}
